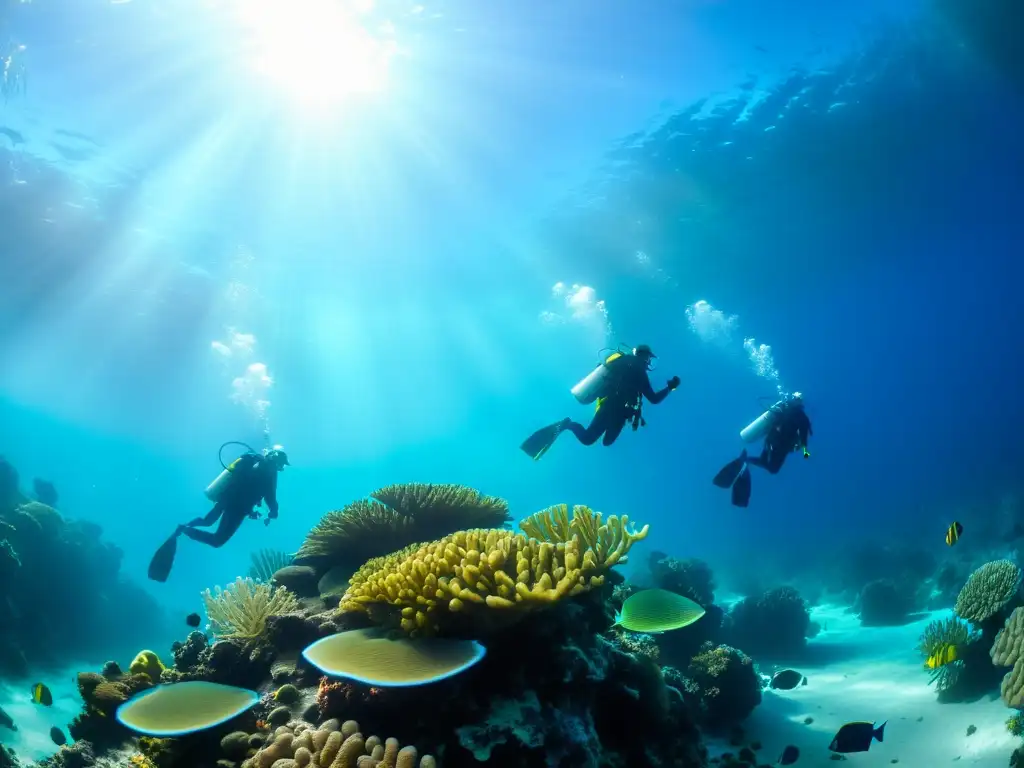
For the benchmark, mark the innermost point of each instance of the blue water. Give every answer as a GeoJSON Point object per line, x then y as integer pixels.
{"type": "Point", "coordinates": [844, 178]}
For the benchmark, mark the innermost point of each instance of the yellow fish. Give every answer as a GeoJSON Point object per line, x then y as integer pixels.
{"type": "Point", "coordinates": [946, 654]}
{"type": "Point", "coordinates": [41, 695]}
{"type": "Point", "coordinates": [953, 534]}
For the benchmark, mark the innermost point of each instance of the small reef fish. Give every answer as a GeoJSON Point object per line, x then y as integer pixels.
{"type": "Point", "coordinates": [193, 619]}
{"type": "Point", "coordinates": [953, 533]}
{"type": "Point", "coordinates": [57, 736]}
{"type": "Point", "coordinates": [787, 680]}
{"type": "Point", "coordinates": [41, 695]}
{"type": "Point", "coordinates": [657, 610]}
{"type": "Point", "coordinates": [6, 720]}
{"type": "Point", "coordinates": [946, 654]}
{"type": "Point", "coordinates": [856, 737]}
{"type": "Point", "coordinates": [789, 755]}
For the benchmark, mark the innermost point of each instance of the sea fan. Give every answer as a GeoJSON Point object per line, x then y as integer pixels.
{"type": "Point", "coordinates": [266, 562]}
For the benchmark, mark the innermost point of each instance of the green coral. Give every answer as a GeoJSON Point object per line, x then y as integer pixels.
{"type": "Point", "coordinates": [1015, 724]}
{"type": "Point", "coordinates": [937, 635]}
{"type": "Point", "coordinates": [988, 591]}
{"type": "Point", "coordinates": [147, 663]}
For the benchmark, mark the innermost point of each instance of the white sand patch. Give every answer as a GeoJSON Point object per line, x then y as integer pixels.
{"type": "Point", "coordinates": [875, 674]}
{"type": "Point", "coordinates": [32, 739]}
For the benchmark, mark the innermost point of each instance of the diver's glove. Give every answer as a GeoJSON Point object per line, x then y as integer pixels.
{"type": "Point", "coordinates": [270, 516]}
{"type": "Point", "coordinates": [673, 382]}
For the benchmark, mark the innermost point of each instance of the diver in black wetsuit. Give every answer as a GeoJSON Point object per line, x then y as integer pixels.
{"type": "Point", "coordinates": [237, 491]}
{"type": "Point", "coordinates": [619, 386]}
{"type": "Point", "coordinates": [788, 430]}
{"type": "Point", "coordinates": [252, 479]}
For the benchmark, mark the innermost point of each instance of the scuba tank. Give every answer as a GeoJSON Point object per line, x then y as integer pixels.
{"type": "Point", "coordinates": [759, 427]}
{"type": "Point", "coordinates": [215, 490]}
{"type": "Point", "coordinates": [597, 383]}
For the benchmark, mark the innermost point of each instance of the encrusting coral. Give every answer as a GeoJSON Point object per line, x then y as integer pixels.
{"type": "Point", "coordinates": [241, 610]}
{"type": "Point", "coordinates": [493, 575]}
{"type": "Point", "coordinates": [332, 745]}
{"type": "Point", "coordinates": [395, 517]}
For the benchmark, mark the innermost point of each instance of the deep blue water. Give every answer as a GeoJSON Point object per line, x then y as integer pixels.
{"type": "Point", "coordinates": [845, 180]}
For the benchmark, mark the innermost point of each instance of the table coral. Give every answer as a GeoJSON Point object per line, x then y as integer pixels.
{"type": "Point", "coordinates": [491, 576]}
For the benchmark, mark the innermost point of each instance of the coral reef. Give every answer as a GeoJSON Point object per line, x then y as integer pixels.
{"type": "Point", "coordinates": [885, 603]}
{"type": "Point", "coordinates": [395, 517]}
{"type": "Point", "coordinates": [484, 579]}
{"type": "Point", "coordinates": [1007, 652]}
{"type": "Point", "coordinates": [241, 610]}
{"type": "Point", "coordinates": [775, 623]}
{"type": "Point", "coordinates": [691, 577]}
{"type": "Point", "coordinates": [61, 591]}
{"type": "Point", "coordinates": [264, 563]}
{"type": "Point", "coordinates": [722, 684]}
{"type": "Point", "coordinates": [992, 590]}
{"type": "Point", "coordinates": [940, 635]}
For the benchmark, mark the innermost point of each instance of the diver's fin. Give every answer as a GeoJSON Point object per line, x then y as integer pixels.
{"type": "Point", "coordinates": [163, 560]}
{"type": "Point", "coordinates": [537, 444]}
{"type": "Point", "coordinates": [727, 475]}
{"type": "Point", "coordinates": [741, 489]}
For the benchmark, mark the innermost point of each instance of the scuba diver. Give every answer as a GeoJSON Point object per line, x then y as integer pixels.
{"type": "Point", "coordinates": [618, 385]}
{"type": "Point", "coordinates": [236, 492]}
{"type": "Point", "coordinates": [785, 428]}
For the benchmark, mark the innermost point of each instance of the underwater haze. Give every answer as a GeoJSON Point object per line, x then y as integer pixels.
{"type": "Point", "coordinates": [388, 238]}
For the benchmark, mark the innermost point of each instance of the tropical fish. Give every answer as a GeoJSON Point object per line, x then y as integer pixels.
{"type": "Point", "coordinates": [57, 736]}
{"type": "Point", "coordinates": [41, 695]}
{"type": "Point", "coordinates": [946, 654]}
{"type": "Point", "coordinates": [856, 737]}
{"type": "Point", "coordinates": [787, 680]}
{"type": "Point", "coordinates": [953, 533]}
{"type": "Point", "coordinates": [657, 610]}
{"type": "Point", "coordinates": [789, 755]}
{"type": "Point", "coordinates": [193, 619]}
{"type": "Point", "coordinates": [6, 721]}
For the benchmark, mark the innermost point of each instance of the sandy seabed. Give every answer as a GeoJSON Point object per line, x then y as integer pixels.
{"type": "Point", "coordinates": [861, 673]}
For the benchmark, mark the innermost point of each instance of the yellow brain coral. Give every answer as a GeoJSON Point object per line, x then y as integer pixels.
{"type": "Point", "coordinates": [474, 570]}
{"type": "Point", "coordinates": [334, 745]}
{"type": "Point", "coordinates": [1007, 652]}
{"type": "Point", "coordinates": [988, 590]}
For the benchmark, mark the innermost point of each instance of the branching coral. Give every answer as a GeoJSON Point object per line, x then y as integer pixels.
{"type": "Point", "coordinates": [241, 610]}
{"type": "Point", "coordinates": [937, 636]}
{"type": "Point", "coordinates": [334, 746]}
{"type": "Point", "coordinates": [395, 517]}
{"type": "Point", "coordinates": [490, 575]}
{"type": "Point", "coordinates": [989, 590]}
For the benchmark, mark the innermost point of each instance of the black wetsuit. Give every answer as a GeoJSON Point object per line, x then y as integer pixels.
{"type": "Point", "coordinates": [622, 405]}
{"type": "Point", "coordinates": [254, 479]}
{"type": "Point", "coordinates": [792, 430]}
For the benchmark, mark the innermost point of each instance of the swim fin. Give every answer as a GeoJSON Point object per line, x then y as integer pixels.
{"type": "Point", "coordinates": [537, 444]}
{"type": "Point", "coordinates": [162, 562]}
{"type": "Point", "coordinates": [741, 489]}
{"type": "Point", "coordinates": [727, 475]}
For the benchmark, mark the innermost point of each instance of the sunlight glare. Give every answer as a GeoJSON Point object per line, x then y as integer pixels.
{"type": "Point", "coordinates": [317, 51]}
